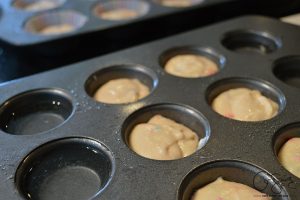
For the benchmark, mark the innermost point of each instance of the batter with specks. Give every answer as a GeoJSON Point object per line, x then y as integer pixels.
{"type": "Point", "coordinates": [162, 138]}
{"type": "Point", "coordinates": [245, 104]}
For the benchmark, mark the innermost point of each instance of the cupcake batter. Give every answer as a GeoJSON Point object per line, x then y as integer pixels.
{"type": "Point", "coordinates": [163, 139]}
{"type": "Point", "coordinates": [226, 190]}
{"type": "Point", "coordinates": [40, 5]}
{"type": "Point", "coordinates": [119, 14]}
{"type": "Point", "coordinates": [57, 29]}
{"type": "Point", "coordinates": [245, 105]}
{"type": "Point", "coordinates": [176, 3]}
{"type": "Point", "coordinates": [191, 66]}
{"type": "Point", "coordinates": [289, 156]}
{"type": "Point", "coordinates": [121, 90]}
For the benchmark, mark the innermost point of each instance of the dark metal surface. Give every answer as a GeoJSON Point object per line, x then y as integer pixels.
{"type": "Point", "coordinates": [17, 35]}
{"type": "Point", "coordinates": [16, 62]}
{"type": "Point", "coordinates": [238, 151]}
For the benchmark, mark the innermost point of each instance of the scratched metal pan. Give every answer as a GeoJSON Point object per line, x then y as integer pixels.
{"type": "Point", "coordinates": [57, 142]}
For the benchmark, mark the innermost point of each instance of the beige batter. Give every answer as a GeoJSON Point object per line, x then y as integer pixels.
{"type": "Point", "coordinates": [289, 156]}
{"type": "Point", "coordinates": [226, 190]}
{"type": "Point", "coordinates": [121, 90]}
{"type": "Point", "coordinates": [163, 139]}
{"type": "Point", "coordinates": [40, 5]}
{"type": "Point", "coordinates": [245, 105]}
{"type": "Point", "coordinates": [176, 3]}
{"type": "Point", "coordinates": [191, 66]}
{"type": "Point", "coordinates": [119, 14]}
{"type": "Point", "coordinates": [57, 29]}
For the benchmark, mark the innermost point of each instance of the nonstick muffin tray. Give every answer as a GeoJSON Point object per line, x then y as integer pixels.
{"type": "Point", "coordinates": [58, 143]}
{"type": "Point", "coordinates": [24, 59]}
{"type": "Point", "coordinates": [84, 15]}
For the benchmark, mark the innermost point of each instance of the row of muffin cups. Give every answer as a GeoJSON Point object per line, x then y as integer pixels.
{"type": "Point", "coordinates": [67, 21]}
{"type": "Point", "coordinates": [55, 107]}
{"type": "Point", "coordinates": [41, 5]}
{"type": "Point", "coordinates": [59, 102]}
{"type": "Point", "coordinates": [68, 152]}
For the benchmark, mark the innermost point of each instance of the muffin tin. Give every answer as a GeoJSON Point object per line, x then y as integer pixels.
{"type": "Point", "coordinates": [97, 36]}
{"type": "Point", "coordinates": [85, 16]}
{"type": "Point", "coordinates": [54, 135]}
{"type": "Point", "coordinates": [20, 59]}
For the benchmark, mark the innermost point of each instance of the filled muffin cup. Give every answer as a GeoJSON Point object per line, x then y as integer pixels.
{"type": "Point", "coordinates": [233, 171]}
{"type": "Point", "coordinates": [157, 118]}
{"type": "Point", "coordinates": [245, 99]}
{"type": "Point", "coordinates": [121, 10]}
{"type": "Point", "coordinates": [55, 23]}
{"type": "Point", "coordinates": [192, 62]}
{"type": "Point", "coordinates": [121, 84]}
{"type": "Point", "coordinates": [37, 5]}
{"type": "Point", "coordinates": [286, 148]}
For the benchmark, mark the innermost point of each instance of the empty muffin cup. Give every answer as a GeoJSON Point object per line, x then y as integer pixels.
{"type": "Point", "coordinates": [286, 144]}
{"type": "Point", "coordinates": [121, 10]}
{"type": "Point", "coordinates": [37, 5]}
{"type": "Point", "coordinates": [55, 23]}
{"type": "Point", "coordinates": [35, 111]}
{"type": "Point", "coordinates": [121, 84]}
{"type": "Point", "coordinates": [69, 168]}
{"type": "Point", "coordinates": [166, 131]}
{"type": "Point", "coordinates": [245, 99]}
{"type": "Point", "coordinates": [192, 62]}
{"type": "Point", "coordinates": [179, 3]}
{"type": "Point", "coordinates": [233, 171]}
{"type": "Point", "coordinates": [287, 69]}
{"type": "Point", "coordinates": [249, 41]}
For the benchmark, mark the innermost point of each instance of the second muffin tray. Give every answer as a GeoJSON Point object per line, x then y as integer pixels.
{"type": "Point", "coordinates": [57, 142]}
{"type": "Point", "coordinates": [84, 16]}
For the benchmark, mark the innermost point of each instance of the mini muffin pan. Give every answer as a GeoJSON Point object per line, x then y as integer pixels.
{"type": "Point", "coordinates": [57, 142]}
{"type": "Point", "coordinates": [84, 16]}
{"type": "Point", "coordinates": [22, 59]}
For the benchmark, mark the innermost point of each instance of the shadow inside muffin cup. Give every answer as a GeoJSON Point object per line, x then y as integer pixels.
{"type": "Point", "coordinates": [234, 171]}
{"type": "Point", "coordinates": [287, 69]}
{"type": "Point", "coordinates": [35, 111]}
{"type": "Point", "coordinates": [31, 5]}
{"type": "Point", "coordinates": [184, 115]}
{"type": "Point", "coordinates": [266, 89]}
{"type": "Point", "coordinates": [206, 52]}
{"type": "Point", "coordinates": [63, 21]}
{"type": "Point", "coordinates": [179, 3]}
{"type": "Point", "coordinates": [120, 10]}
{"type": "Point", "coordinates": [69, 168]}
{"type": "Point", "coordinates": [145, 75]}
{"type": "Point", "coordinates": [250, 41]}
